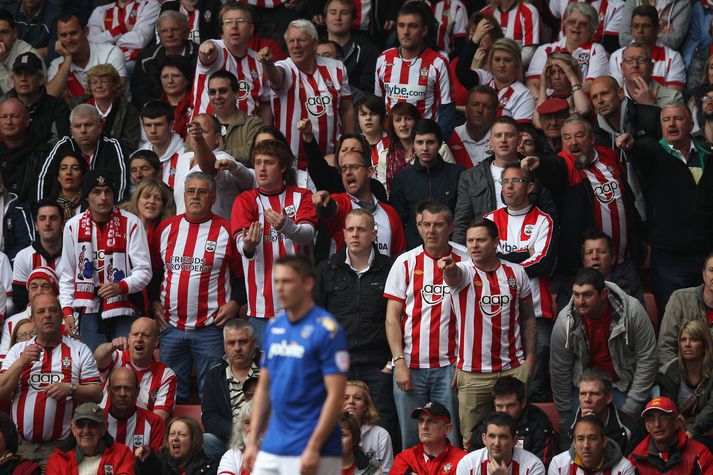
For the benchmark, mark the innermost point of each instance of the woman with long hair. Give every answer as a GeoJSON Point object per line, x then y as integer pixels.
{"type": "Point", "coordinates": [176, 76]}
{"type": "Point", "coordinates": [562, 78]}
{"type": "Point", "coordinates": [374, 440]}
{"type": "Point", "coordinates": [67, 190]}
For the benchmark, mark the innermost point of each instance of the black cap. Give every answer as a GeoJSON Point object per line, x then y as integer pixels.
{"type": "Point", "coordinates": [97, 177]}
{"type": "Point", "coordinates": [433, 409]}
{"type": "Point", "coordinates": [28, 62]}
{"type": "Point", "coordinates": [148, 155]}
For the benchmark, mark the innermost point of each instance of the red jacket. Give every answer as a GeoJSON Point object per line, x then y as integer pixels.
{"type": "Point", "coordinates": [412, 461]}
{"type": "Point", "coordinates": [688, 458]}
{"type": "Point", "coordinates": [116, 460]}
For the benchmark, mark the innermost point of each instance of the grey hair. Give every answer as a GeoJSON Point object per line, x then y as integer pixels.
{"type": "Point", "coordinates": [636, 44]}
{"type": "Point", "coordinates": [84, 110]}
{"type": "Point", "coordinates": [237, 441]}
{"type": "Point", "coordinates": [304, 26]}
{"type": "Point", "coordinates": [173, 15]}
{"type": "Point", "coordinates": [237, 324]}
{"type": "Point", "coordinates": [201, 176]}
{"type": "Point", "coordinates": [585, 9]}
{"type": "Point", "coordinates": [576, 119]}
{"type": "Point", "coordinates": [678, 105]}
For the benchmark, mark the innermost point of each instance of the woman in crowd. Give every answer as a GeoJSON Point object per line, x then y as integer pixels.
{"type": "Point", "coordinates": [373, 439]}
{"type": "Point", "coordinates": [562, 78]}
{"type": "Point", "coordinates": [152, 202]}
{"type": "Point", "coordinates": [176, 76]}
{"type": "Point", "coordinates": [67, 190]}
{"type": "Point", "coordinates": [182, 452]}
{"type": "Point", "coordinates": [400, 153]}
{"type": "Point", "coordinates": [23, 331]}
{"type": "Point", "coordinates": [120, 118]}
{"type": "Point", "coordinates": [354, 460]}
{"type": "Point", "coordinates": [233, 458]}
{"type": "Point", "coordinates": [687, 379]}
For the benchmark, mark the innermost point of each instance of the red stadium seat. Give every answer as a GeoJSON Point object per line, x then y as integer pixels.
{"type": "Point", "coordinates": [551, 411]}
{"type": "Point", "coordinates": [189, 410]}
{"type": "Point", "coordinates": [652, 310]}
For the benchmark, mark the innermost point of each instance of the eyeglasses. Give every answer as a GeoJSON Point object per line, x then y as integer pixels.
{"type": "Point", "coordinates": [640, 61]}
{"type": "Point", "coordinates": [102, 81]}
{"type": "Point", "coordinates": [163, 31]}
{"type": "Point", "coordinates": [24, 336]}
{"type": "Point", "coordinates": [706, 98]}
{"type": "Point", "coordinates": [514, 181]}
{"type": "Point", "coordinates": [351, 168]}
{"type": "Point", "coordinates": [82, 423]}
{"type": "Point", "coordinates": [236, 22]}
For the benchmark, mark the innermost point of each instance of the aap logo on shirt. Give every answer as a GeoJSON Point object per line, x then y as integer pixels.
{"type": "Point", "coordinates": [317, 105]}
{"type": "Point", "coordinates": [492, 305]}
{"type": "Point", "coordinates": [434, 293]}
{"type": "Point", "coordinates": [244, 89]}
{"type": "Point", "coordinates": [607, 192]}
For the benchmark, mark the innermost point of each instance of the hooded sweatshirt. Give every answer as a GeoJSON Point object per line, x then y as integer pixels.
{"type": "Point", "coordinates": [567, 463]}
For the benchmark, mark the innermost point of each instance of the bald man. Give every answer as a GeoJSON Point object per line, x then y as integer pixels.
{"type": "Point", "coordinates": [129, 424]}
{"type": "Point", "coordinates": [157, 382]}
{"type": "Point", "coordinates": [21, 153]}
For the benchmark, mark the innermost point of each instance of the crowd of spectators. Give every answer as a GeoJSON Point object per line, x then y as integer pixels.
{"type": "Point", "coordinates": [460, 236]}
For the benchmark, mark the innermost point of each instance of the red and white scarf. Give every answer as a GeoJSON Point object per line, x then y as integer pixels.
{"type": "Point", "coordinates": [101, 259]}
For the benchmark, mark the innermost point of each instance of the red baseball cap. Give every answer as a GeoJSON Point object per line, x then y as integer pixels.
{"type": "Point", "coordinates": [662, 404]}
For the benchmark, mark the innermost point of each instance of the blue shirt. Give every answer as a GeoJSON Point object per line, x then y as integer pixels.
{"type": "Point", "coordinates": [298, 355]}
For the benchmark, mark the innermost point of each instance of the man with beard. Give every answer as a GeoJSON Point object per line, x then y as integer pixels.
{"type": "Point", "coordinates": [591, 194]}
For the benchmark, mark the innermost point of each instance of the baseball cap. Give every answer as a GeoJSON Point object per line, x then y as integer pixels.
{"type": "Point", "coordinates": [662, 404]}
{"type": "Point", "coordinates": [28, 62]}
{"type": "Point", "coordinates": [89, 410]}
{"type": "Point", "coordinates": [553, 105]}
{"type": "Point", "coordinates": [97, 177]}
{"type": "Point", "coordinates": [46, 273]}
{"type": "Point", "coordinates": [433, 409]}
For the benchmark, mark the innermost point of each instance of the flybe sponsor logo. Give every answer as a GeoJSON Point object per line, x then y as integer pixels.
{"type": "Point", "coordinates": [405, 92]}
{"type": "Point", "coordinates": [286, 350]}
{"type": "Point", "coordinates": [507, 247]}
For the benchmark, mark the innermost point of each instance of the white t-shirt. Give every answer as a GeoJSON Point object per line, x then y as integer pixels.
{"type": "Point", "coordinates": [497, 173]}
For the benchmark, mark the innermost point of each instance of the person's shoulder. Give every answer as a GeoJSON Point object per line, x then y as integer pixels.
{"type": "Point", "coordinates": [474, 458]}
{"type": "Point", "coordinates": [561, 459]}
{"type": "Point", "coordinates": [76, 345]}
{"type": "Point", "coordinates": [536, 416]}
{"type": "Point", "coordinates": [527, 458]}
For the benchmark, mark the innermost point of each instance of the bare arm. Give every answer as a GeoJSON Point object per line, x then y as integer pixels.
{"type": "Point", "coordinates": [10, 378]}
{"type": "Point", "coordinates": [88, 393]}
{"type": "Point", "coordinates": [57, 85]}
{"type": "Point", "coordinates": [402, 374]}
{"type": "Point", "coordinates": [275, 76]}
{"type": "Point", "coordinates": [529, 331]}
{"type": "Point", "coordinates": [104, 351]}
{"type": "Point", "coordinates": [346, 112]}
{"type": "Point", "coordinates": [202, 154]}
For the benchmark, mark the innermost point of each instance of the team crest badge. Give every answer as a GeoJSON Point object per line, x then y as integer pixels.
{"type": "Point", "coordinates": [210, 246]}
{"type": "Point", "coordinates": [447, 468]}
{"type": "Point", "coordinates": [424, 72]}
{"type": "Point", "coordinates": [207, 16]}
{"type": "Point", "coordinates": [512, 282]}
{"type": "Point", "coordinates": [66, 362]}
{"type": "Point", "coordinates": [330, 84]}
{"type": "Point", "coordinates": [290, 211]}
{"type": "Point", "coordinates": [253, 74]}
{"type": "Point", "coordinates": [108, 470]}
{"type": "Point", "coordinates": [153, 395]}
{"type": "Point", "coordinates": [138, 440]}
{"type": "Point", "coordinates": [330, 325]}
{"type": "Point", "coordinates": [101, 181]}
{"type": "Point", "coordinates": [528, 229]}
{"type": "Point", "coordinates": [306, 331]}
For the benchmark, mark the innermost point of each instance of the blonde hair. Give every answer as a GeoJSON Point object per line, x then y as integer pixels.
{"type": "Point", "coordinates": [567, 58]}
{"type": "Point", "coordinates": [371, 415]}
{"type": "Point", "coordinates": [511, 47]}
{"type": "Point", "coordinates": [698, 330]}
{"type": "Point", "coordinates": [237, 441]}
{"type": "Point", "coordinates": [169, 204]}
{"type": "Point", "coordinates": [104, 70]}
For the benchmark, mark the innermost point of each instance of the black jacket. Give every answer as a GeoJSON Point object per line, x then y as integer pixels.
{"type": "Point", "coordinates": [575, 204]}
{"type": "Point", "coordinates": [18, 227]}
{"type": "Point", "coordinates": [417, 183]}
{"type": "Point", "coordinates": [209, 27]}
{"type": "Point", "coordinates": [620, 428]}
{"type": "Point", "coordinates": [358, 304]}
{"type": "Point", "coordinates": [679, 211]}
{"type": "Point", "coordinates": [50, 116]}
{"type": "Point", "coordinates": [639, 119]}
{"type": "Point", "coordinates": [164, 464]}
{"type": "Point", "coordinates": [19, 167]}
{"type": "Point", "coordinates": [108, 156]}
{"type": "Point", "coordinates": [533, 428]}
{"type": "Point", "coordinates": [123, 122]}
{"type": "Point", "coordinates": [360, 56]}
{"type": "Point", "coordinates": [145, 81]}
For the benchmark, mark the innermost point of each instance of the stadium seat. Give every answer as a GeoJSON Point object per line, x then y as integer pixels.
{"type": "Point", "coordinates": [652, 310]}
{"type": "Point", "coordinates": [551, 410]}
{"type": "Point", "coordinates": [189, 410]}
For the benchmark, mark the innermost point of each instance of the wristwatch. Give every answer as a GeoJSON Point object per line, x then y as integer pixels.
{"type": "Point", "coordinates": [395, 359]}
{"type": "Point", "coordinates": [72, 388]}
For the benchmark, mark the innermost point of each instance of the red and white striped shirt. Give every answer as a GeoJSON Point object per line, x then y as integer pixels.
{"type": "Point", "coordinates": [200, 261]}
{"type": "Point", "coordinates": [390, 236]}
{"type": "Point", "coordinates": [8, 325]}
{"type": "Point", "coordinates": [362, 19]}
{"type": "Point", "coordinates": [515, 100]}
{"type": "Point", "coordinates": [316, 97]}
{"type": "Point", "coordinates": [452, 18]}
{"type": "Point", "coordinates": [39, 417]}
{"type": "Point", "coordinates": [143, 428]}
{"type": "Point", "coordinates": [249, 207]}
{"type": "Point", "coordinates": [521, 23]}
{"type": "Point", "coordinates": [424, 81]}
{"type": "Point", "coordinates": [157, 383]}
{"type": "Point", "coordinates": [591, 57]}
{"type": "Point", "coordinates": [378, 147]}
{"type": "Point", "coordinates": [468, 152]}
{"type": "Point", "coordinates": [193, 17]}
{"type": "Point", "coordinates": [27, 260]}
{"type": "Point", "coordinates": [428, 323]}
{"type": "Point", "coordinates": [609, 12]}
{"type": "Point", "coordinates": [487, 307]}
{"type": "Point", "coordinates": [520, 231]}
{"type": "Point", "coordinates": [252, 85]}
{"type": "Point", "coordinates": [523, 463]}
{"type": "Point", "coordinates": [605, 178]}
{"type": "Point", "coordinates": [169, 160]}
{"type": "Point", "coordinates": [669, 69]}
